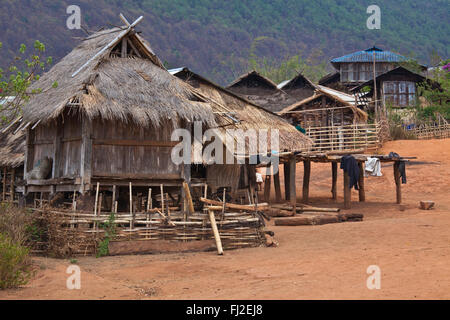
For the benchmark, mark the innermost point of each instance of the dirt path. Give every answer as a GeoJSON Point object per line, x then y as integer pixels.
{"type": "Point", "coordinates": [411, 247]}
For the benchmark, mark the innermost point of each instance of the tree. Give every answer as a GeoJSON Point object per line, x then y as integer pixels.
{"type": "Point", "coordinates": [16, 80]}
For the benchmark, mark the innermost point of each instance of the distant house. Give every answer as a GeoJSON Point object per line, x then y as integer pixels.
{"type": "Point", "coordinates": [265, 93]}
{"type": "Point", "coordinates": [397, 87]}
{"type": "Point", "coordinates": [356, 68]}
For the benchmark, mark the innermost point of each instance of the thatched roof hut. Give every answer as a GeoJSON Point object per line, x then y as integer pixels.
{"type": "Point", "coordinates": [111, 118]}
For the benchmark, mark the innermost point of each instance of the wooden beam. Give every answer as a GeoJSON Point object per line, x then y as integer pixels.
{"type": "Point", "coordinates": [252, 207]}
{"type": "Point", "coordinates": [13, 178]}
{"type": "Point", "coordinates": [306, 178]}
{"type": "Point", "coordinates": [347, 191]}
{"type": "Point", "coordinates": [136, 51]}
{"type": "Point", "coordinates": [57, 144]}
{"type": "Point", "coordinates": [334, 180]}
{"type": "Point", "coordinates": [135, 143]}
{"type": "Point", "coordinates": [398, 186]}
{"type": "Point", "coordinates": [286, 181]}
{"type": "Point", "coordinates": [362, 191]}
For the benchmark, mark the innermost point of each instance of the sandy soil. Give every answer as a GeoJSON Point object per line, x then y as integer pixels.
{"type": "Point", "coordinates": [412, 248]}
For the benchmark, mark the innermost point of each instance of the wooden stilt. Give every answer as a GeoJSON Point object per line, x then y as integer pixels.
{"type": "Point", "coordinates": [334, 180]}
{"type": "Point", "coordinates": [292, 186]}
{"type": "Point", "coordinates": [286, 181]}
{"type": "Point", "coordinates": [267, 184]}
{"type": "Point", "coordinates": [347, 191]}
{"type": "Point", "coordinates": [96, 198]}
{"type": "Point", "coordinates": [4, 184]}
{"type": "Point", "coordinates": [162, 198]}
{"type": "Point", "coordinates": [306, 177]}
{"type": "Point", "coordinates": [13, 177]}
{"type": "Point", "coordinates": [212, 219]}
{"type": "Point", "coordinates": [113, 198]}
{"type": "Point", "coordinates": [131, 206]}
{"type": "Point", "coordinates": [362, 191]}
{"type": "Point", "coordinates": [276, 182]}
{"type": "Point", "coordinates": [398, 186]}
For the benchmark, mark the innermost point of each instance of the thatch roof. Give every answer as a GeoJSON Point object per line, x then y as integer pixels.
{"type": "Point", "coordinates": [135, 89]}
{"type": "Point", "coordinates": [360, 115]}
{"type": "Point", "coordinates": [254, 75]}
{"type": "Point", "coordinates": [12, 148]}
{"type": "Point", "coordinates": [249, 115]}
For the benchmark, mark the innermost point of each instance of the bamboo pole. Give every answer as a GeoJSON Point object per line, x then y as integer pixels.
{"type": "Point", "coordinates": [113, 198]}
{"type": "Point", "coordinates": [131, 206]}
{"type": "Point", "coordinates": [212, 219]}
{"type": "Point", "coordinates": [187, 192]}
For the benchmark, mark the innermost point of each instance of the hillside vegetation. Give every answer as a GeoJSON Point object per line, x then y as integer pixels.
{"type": "Point", "coordinates": [215, 38]}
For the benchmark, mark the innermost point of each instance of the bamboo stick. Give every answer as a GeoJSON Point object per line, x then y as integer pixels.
{"type": "Point", "coordinates": [215, 232]}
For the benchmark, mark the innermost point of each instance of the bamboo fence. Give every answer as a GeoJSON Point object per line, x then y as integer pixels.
{"type": "Point", "coordinates": [345, 138]}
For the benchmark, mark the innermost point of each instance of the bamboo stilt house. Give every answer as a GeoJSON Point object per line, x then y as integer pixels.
{"type": "Point", "coordinates": [111, 118]}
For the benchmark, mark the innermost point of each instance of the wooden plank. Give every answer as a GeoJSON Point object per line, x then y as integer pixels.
{"type": "Point", "coordinates": [57, 144]}
{"type": "Point", "coordinates": [306, 178]}
{"type": "Point", "coordinates": [334, 180]}
{"type": "Point", "coordinates": [134, 143]}
{"type": "Point", "coordinates": [13, 179]}
{"type": "Point", "coordinates": [347, 191]}
{"type": "Point", "coordinates": [361, 191]}
{"type": "Point", "coordinates": [136, 176]}
{"type": "Point", "coordinates": [4, 184]}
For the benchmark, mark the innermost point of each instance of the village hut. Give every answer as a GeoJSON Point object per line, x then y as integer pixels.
{"type": "Point", "coordinates": [298, 88]}
{"type": "Point", "coordinates": [110, 119]}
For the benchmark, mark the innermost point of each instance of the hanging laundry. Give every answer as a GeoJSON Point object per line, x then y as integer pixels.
{"type": "Point", "coordinates": [350, 166]}
{"type": "Point", "coordinates": [401, 166]}
{"type": "Point", "coordinates": [373, 167]}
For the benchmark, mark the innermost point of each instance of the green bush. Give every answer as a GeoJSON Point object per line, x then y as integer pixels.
{"type": "Point", "coordinates": [15, 264]}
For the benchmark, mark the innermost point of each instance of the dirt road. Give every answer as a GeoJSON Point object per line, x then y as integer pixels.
{"type": "Point", "coordinates": [411, 247]}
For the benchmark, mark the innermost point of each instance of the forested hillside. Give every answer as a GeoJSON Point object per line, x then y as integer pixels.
{"type": "Point", "coordinates": [217, 38]}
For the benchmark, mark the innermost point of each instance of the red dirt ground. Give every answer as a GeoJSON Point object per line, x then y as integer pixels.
{"type": "Point", "coordinates": [411, 246]}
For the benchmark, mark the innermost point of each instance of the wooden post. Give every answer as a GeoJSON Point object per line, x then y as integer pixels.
{"type": "Point", "coordinates": [286, 181]}
{"type": "Point", "coordinates": [4, 184]}
{"type": "Point", "coordinates": [398, 186]}
{"type": "Point", "coordinates": [292, 190]}
{"type": "Point", "coordinates": [306, 177]}
{"type": "Point", "coordinates": [113, 198]}
{"type": "Point", "coordinates": [347, 191]}
{"type": "Point", "coordinates": [131, 207]}
{"type": "Point", "coordinates": [212, 219]}
{"type": "Point", "coordinates": [149, 200]}
{"type": "Point", "coordinates": [276, 182]}
{"type": "Point", "coordinates": [362, 191]}
{"type": "Point", "coordinates": [13, 178]}
{"type": "Point", "coordinates": [187, 192]}
{"type": "Point", "coordinates": [267, 183]}
{"type": "Point", "coordinates": [334, 180]}
{"type": "Point", "coordinates": [57, 144]}
{"type": "Point", "coordinates": [96, 198]}
{"type": "Point", "coordinates": [86, 154]}
{"type": "Point", "coordinates": [162, 198]}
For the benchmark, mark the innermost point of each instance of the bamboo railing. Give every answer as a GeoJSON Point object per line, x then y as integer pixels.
{"type": "Point", "coordinates": [343, 138]}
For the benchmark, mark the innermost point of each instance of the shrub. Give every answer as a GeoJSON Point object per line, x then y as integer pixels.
{"type": "Point", "coordinates": [19, 224]}
{"type": "Point", "coordinates": [15, 264]}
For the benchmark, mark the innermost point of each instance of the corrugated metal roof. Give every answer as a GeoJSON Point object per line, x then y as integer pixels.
{"type": "Point", "coordinates": [175, 71]}
{"type": "Point", "coordinates": [367, 56]}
